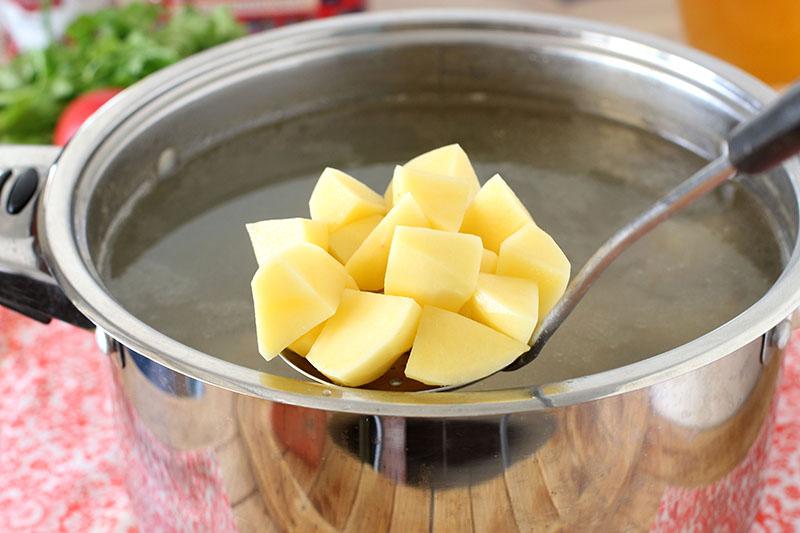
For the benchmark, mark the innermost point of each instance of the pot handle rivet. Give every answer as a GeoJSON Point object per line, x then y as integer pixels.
{"type": "Point", "coordinates": [782, 334]}
{"type": "Point", "coordinates": [104, 341]}
{"type": "Point", "coordinates": [777, 339]}
{"type": "Point", "coordinates": [795, 319]}
{"type": "Point", "coordinates": [167, 163]}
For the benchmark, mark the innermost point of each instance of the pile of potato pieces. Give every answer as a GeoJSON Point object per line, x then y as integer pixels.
{"type": "Point", "coordinates": [455, 272]}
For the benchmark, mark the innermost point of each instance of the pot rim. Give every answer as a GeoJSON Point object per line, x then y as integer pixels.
{"type": "Point", "coordinates": [62, 246]}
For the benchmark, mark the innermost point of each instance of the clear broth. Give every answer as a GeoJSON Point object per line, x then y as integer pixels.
{"type": "Point", "coordinates": [182, 260]}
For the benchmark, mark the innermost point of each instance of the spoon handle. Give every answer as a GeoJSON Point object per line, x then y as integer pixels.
{"type": "Point", "coordinates": [768, 138]}
{"type": "Point", "coordinates": [756, 145]}
{"type": "Point", "coordinates": [706, 179]}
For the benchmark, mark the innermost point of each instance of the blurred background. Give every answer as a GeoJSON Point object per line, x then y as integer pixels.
{"type": "Point", "coordinates": [53, 52]}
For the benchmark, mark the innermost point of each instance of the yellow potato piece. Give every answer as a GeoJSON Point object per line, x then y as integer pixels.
{"type": "Point", "coordinates": [533, 254]}
{"type": "Point", "coordinates": [303, 345]}
{"type": "Point", "coordinates": [346, 240]}
{"type": "Point", "coordinates": [488, 261]}
{"type": "Point", "coordinates": [365, 337]}
{"type": "Point", "coordinates": [434, 267]}
{"type": "Point", "coordinates": [340, 199]}
{"type": "Point", "coordinates": [388, 195]}
{"type": "Point", "coordinates": [508, 305]}
{"type": "Point", "coordinates": [443, 199]}
{"type": "Point", "coordinates": [292, 292]}
{"type": "Point", "coordinates": [495, 213]}
{"type": "Point", "coordinates": [368, 264]}
{"type": "Point", "coordinates": [450, 160]}
{"type": "Point", "coordinates": [450, 349]}
{"type": "Point", "coordinates": [272, 236]}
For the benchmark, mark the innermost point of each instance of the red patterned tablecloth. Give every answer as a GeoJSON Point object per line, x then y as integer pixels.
{"type": "Point", "coordinates": [60, 462]}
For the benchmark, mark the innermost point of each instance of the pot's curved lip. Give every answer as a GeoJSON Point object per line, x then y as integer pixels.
{"type": "Point", "coordinates": [62, 249]}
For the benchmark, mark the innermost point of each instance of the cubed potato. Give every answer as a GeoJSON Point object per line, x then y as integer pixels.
{"type": "Point", "coordinates": [508, 305]}
{"type": "Point", "coordinates": [495, 213]}
{"type": "Point", "coordinates": [450, 349]}
{"type": "Point", "coordinates": [340, 199]}
{"type": "Point", "coordinates": [367, 265]}
{"type": "Point", "coordinates": [365, 337]}
{"type": "Point", "coordinates": [488, 262]}
{"type": "Point", "coordinates": [434, 267]}
{"type": "Point", "coordinates": [443, 199]}
{"type": "Point", "coordinates": [346, 240]}
{"type": "Point", "coordinates": [303, 345]}
{"type": "Point", "coordinates": [450, 160]}
{"type": "Point", "coordinates": [292, 292]}
{"type": "Point", "coordinates": [271, 236]}
{"type": "Point", "coordinates": [388, 195]}
{"type": "Point", "coordinates": [533, 254]}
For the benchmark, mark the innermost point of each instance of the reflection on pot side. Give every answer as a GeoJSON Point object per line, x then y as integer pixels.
{"type": "Point", "coordinates": [218, 459]}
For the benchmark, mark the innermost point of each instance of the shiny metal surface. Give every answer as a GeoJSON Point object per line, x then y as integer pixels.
{"type": "Point", "coordinates": [213, 446]}
{"type": "Point", "coordinates": [611, 72]}
{"type": "Point", "coordinates": [25, 281]}
{"type": "Point", "coordinates": [17, 236]}
{"type": "Point", "coordinates": [696, 443]}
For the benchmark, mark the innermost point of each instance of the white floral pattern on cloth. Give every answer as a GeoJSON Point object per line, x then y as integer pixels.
{"type": "Point", "coordinates": [718, 507]}
{"type": "Point", "coordinates": [60, 464]}
{"type": "Point", "coordinates": [61, 467]}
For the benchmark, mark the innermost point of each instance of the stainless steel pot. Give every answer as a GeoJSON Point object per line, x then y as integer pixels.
{"type": "Point", "coordinates": [675, 440]}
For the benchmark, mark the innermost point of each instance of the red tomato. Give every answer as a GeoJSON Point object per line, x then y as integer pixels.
{"type": "Point", "coordinates": [78, 111]}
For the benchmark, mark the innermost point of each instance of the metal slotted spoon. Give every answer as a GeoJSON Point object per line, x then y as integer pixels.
{"type": "Point", "coordinates": [756, 145]}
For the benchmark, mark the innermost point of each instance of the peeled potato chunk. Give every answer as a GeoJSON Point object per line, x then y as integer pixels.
{"type": "Point", "coordinates": [456, 273]}
{"type": "Point", "coordinates": [533, 254]}
{"type": "Point", "coordinates": [488, 261]}
{"type": "Point", "coordinates": [271, 236]}
{"type": "Point", "coordinates": [508, 305]}
{"type": "Point", "coordinates": [443, 199]}
{"type": "Point", "coordinates": [495, 213]}
{"type": "Point", "coordinates": [293, 292]}
{"type": "Point", "coordinates": [450, 160]}
{"type": "Point", "coordinates": [303, 345]}
{"type": "Point", "coordinates": [434, 267]}
{"type": "Point", "coordinates": [340, 199]}
{"type": "Point", "coordinates": [450, 349]}
{"type": "Point", "coordinates": [365, 337]}
{"type": "Point", "coordinates": [367, 265]}
{"type": "Point", "coordinates": [346, 240]}
{"type": "Point", "coordinates": [388, 195]}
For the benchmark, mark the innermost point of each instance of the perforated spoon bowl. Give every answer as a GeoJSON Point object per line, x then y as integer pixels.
{"type": "Point", "coordinates": [756, 145]}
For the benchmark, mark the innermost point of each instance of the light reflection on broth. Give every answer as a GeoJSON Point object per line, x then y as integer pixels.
{"type": "Point", "coordinates": [581, 177]}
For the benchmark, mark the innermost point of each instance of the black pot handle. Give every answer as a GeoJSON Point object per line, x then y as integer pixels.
{"type": "Point", "coordinates": [770, 137]}
{"type": "Point", "coordinates": [26, 285]}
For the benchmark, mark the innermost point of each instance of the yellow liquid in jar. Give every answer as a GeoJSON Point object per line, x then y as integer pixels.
{"type": "Point", "coordinates": [760, 37]}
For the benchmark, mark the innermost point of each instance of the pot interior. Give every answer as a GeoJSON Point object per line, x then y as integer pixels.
{"type": "Point", "coordinates": [586, 141]}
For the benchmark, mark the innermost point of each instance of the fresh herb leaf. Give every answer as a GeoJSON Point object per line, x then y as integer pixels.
{"type": "Point", "coordinates": [113, 47]}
